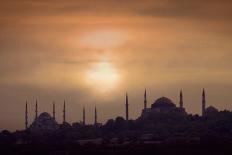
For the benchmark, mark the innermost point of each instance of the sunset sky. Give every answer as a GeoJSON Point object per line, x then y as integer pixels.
{"type": "Point", "coordinates": [91, 52]}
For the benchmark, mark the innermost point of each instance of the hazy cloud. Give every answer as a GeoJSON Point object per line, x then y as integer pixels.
{"type": "Point", "coordinates": [164, 45]}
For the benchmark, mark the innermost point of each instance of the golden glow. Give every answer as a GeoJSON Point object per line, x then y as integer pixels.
{"type": "Point", "coordinates": [102, 76]}
{"type": "Point", "coordinates": [102, 39]}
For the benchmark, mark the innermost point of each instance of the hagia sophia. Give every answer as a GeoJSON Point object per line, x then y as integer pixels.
{"type": "Point", "coordinates": [161, 105]}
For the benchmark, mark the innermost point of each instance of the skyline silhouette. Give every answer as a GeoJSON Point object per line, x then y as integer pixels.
{"type": "Point", "coordinates": [160, 125]}
{"type": "Point", "coordinates": [204, 106]}
{"type": "Point", "coordinates": [91, 52]}
{"type": "Point", "coordinates": [78, 113]}
{"type": "Point", "coordinates": [115, 77]}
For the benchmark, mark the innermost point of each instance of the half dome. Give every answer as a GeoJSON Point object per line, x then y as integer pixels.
{"type": "Point", "coordinates": [211, 109]}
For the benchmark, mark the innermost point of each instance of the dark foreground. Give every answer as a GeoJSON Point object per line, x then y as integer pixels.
{"type": "Point", "coordinates": [208, 148]}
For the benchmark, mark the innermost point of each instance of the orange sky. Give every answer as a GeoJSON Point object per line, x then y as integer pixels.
{"type": "Point", "coordinates": [50, 49]}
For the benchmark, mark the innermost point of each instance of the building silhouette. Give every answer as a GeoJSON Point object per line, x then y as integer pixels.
{"type": "Point", "coordinates": [36, 109]}
{"type": "Point", "coordinates": [127, 108]}
{"type": "Point", "coordinates": [162, 105]}
{"type": "Point", "coordinates": [95, 116]}
{"type": "Point", "coordinates": [64, 113]}
{"type": "Point", "coordinates": [145, 99]}
{"type": "Point", "coordinates": [181, 100]}
{"type": "Point", "coordinates": [54, 111]}
{"type": "Point", "coordinates": [84, 116]}
{"type": "Point", "coordinates": [203, 102]}
{"type": "Point", "coordinates": [26, 117]}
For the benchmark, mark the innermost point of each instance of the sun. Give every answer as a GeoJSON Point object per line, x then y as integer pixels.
{"type": "Point", "coordinates": [102, 76]}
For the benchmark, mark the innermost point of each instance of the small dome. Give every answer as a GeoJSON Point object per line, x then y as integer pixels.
{"type": "Point", "coordinates": [162, 103]}
{"type": "Point", "coordinates": [211, 109]}
{"type": "Point", "coordinates": [65, 125]}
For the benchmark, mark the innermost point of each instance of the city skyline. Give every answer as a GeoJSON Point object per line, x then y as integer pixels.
{"type": "Point", "coordinates": [126, 116]}
{"type": "Point", "coordinates": [92, 52]}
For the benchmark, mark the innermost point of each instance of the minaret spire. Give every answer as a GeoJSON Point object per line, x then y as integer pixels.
{"type": "Point", "coordinates": [181, 100]}
{"type": "Point", "coordinates": [145, 99]}
{"type": "Point", "coordinates": [36, 109]}
{"type": "Point", "coordinates": [64, 113]}
{"type": "Point", "coordinates": [127, 107]}
{"type": "Point", "coordinates": [26, 117]}
{"type": "Point", "coordinates": [84, 116]}
{"type": "Point", "coordinates": [53, 110]}
{"type": "Point", "coordinates": [95, 116]}
{"type": "Point", "coordinates": [203, 102]}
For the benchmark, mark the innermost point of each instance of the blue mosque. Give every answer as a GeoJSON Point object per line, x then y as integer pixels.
{"type": "Point", "coordinates": [162, 105]}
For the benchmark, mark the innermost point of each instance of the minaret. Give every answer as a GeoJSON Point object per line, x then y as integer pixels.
{"type": "Point", "coordinates": [84, 116]}
{"type": "Point", "coordinates": [127, 106]}
{"type": "Point", "coordinates": [145, 99]}
{"type": "Point", "coordinates": [26, 117]}
{"type": "Point", "coordinates": [36, 109]}
{"type": "Point", "coordinates": [95, 116]}
{"type": "Point", "coordinates": [64, 112]}
{"type": "Point", "coordinates": [53, 111]}
{"type": "Point", "coordinates": [181, 100]}
{"type": "Point", "coordinates": [203, 102]}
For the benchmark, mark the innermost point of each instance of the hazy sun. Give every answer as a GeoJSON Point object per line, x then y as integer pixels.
{"type": "Point", "coordinates": [103, 38]}
{"type": "Point", "coordinates": [103, 76]}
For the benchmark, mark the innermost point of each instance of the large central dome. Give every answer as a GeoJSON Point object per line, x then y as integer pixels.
{"type": "Point", "coordinates": [44, 122]}
{"type": "Point", "coordinates": [163, 102]}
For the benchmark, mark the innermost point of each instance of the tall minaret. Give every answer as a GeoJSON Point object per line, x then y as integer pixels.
{"type": "Point", "coordinates": [203, 102]}
{"type": "Point", "coordinates": [26, 117]}
{"type": "Point", "coordinates": [95, 116]}
{"type": "Point", "coordinates": [145, 99]}
{"type": "Point", "coordinates": [53, 110]}
{"type": "Point", "coordinates": [127, 106]}
{"type": "Point", "coordinates": [64, 112]}
{"type": "Point", "coordinates": [181, 100]}
{"type": "Point", "coordinates": [36, 109]}
{"type": "Point", "coordinates": [84, 116]}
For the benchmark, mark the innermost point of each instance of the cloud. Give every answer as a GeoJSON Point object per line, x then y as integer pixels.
{"type": "Point", "coordinates": [206, 9]}
{"type": "Point", "coordinates": [171, 44]}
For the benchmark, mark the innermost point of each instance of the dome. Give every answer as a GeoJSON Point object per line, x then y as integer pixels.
{"type": "Point", "coordinates": [163, 102]}
{"type": "Point", "coordinates": [44, 122]}
{"type": "Point", "coordinates": [211, 109]}
{"type": "Point", "coordinates": [44, 115]}
{"type": "Point", "coordinates": [65, 125]}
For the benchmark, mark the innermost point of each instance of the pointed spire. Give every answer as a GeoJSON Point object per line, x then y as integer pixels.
{"type": "Point", "coordinates": [53, 110]}
{"type": "Point", "coordinates": [95, 116]}
{"type": "Point", "coordinates": [203, 93]}
{"type": "Point", "coordinates": [84, 116]}
{"type": "Point", "coordinates": [181, 99]}
{"type": "Point", "coordinates": [203, 102]}
{"type": "Point", "coordinates": [26, 117]}
{"type": "Point", "coordinates": [127, 108]}
{"type": "Point", "coordinates": [64, 113]}
{"type": "Point", "coordinates": [145, 99]}
{"type": "Point", "coordinates": [36, 109]}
